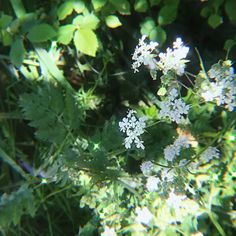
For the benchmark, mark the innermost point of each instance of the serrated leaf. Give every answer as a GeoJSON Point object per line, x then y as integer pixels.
{"type": "Point", "coordinates": [113, 21]}
{"type": "Point", "coordinates": [65, 10]}
{"type": "Point", "coordinates": [41, 33]}
{"type": "Point", "coordinates": [17, 52]}
{"type": "Point", "coordinates": [141, 5]}
{"type": "Point", "coordinates": [65, 33]}
{"type": "Point", "coordinates": [98, 4]}
{"type": "Point", "coordinates": [122, 6]}
{"type": "Point", "coordinates": [79, 6]}
{"type": "Point", "coordinates": [89, 21]}
{"type": "Point", "coordinates": [214, 20]}
{"type": "Point", "coordinates": [86, 42]}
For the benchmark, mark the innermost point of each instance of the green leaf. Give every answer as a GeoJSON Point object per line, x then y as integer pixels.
{"type": "Point", "coordinates": [160, 35]}
{"type": "Point", "coordinates": [89, 21]}
{"type": "Point", "coordinates": [65, 10]}
{"type": "Point", "coordinates": [214, 21]}
{"type": "Point", "coordinates": [113, 21]}
{"type": "Point", "coordinates": [65, 33]}
{"type": "Point", "coordinates": [147, 26]}
{"type": "Point", "coordinates": [141, 5]}
{"type": "Point", "coordinates": [86, 42]}
{"type": "Point", "coordinates": [6, 38]}
{"type": "Point", "coordinates": [230, 7]}
{"type": "Point", "coordinates": [98, 4]}
{"type": "Point", "coordinates": [229, 44]}
{"type": "Point", "coordinates": [167, 14]}
{"type": "Point", "coordinates": [154, 2]}
{"type": "Point", "coordinates": [5, 20]}
{"type": "Point", "coordinates": [41, 33]}
{"type": "Point", "coordinates": [122, 6]}
{"type": "Point", "coordinates": [79, 6]}
{"type": "Point", "coordinates": [206, 11]}
{"type": "Point", "coordinates": [162, 91]}
{"type": "Point", "coordinates": [17, 52]}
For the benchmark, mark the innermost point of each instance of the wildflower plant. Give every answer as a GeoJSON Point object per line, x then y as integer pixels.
{"type": "Point", "coordinates": [87, 136]}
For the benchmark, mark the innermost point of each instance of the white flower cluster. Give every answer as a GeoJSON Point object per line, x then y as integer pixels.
{"type": "Point", "coordinates": [133, 128]}
{"type": "Point", "coordinates": [222, 88]}
{"type": "Point", "coordinates": [174, 109]}
{"type": "Point", "coordinates": [146, 168]}
{"type": "Point", "coordinates": [143, 54]}
{"type": "Point", "coordinates": [143, 215]}
{"type": "Point", "coordinates": [210, 153]}
{"type": "Point", "coordinates": [173, 150]}
{"type": "Point", "coordinates": [175, 200]}
{"type": "Point", "coordinates": [174, 59]}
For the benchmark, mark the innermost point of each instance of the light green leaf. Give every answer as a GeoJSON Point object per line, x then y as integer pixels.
{"type": "Point", "coordinates": [79, 6]}
{"type": "Point", "coordinates": [113, 21]}
{"type": "Point", "coordinates": [98, 4]}
{"type": "Point", "coordinates": [162, 91]}
{"type": "Point", "coordinates": [41, 33]}
{"type": "Point", "coordinates": [141, 5]}
{"type": "Point", "coordinates": [65, 10]}
{"type": "Point", "coordinates": [147, 26]}
{"type": "Point", "coordinates": [17, 52]}
{"type": "Point", "coordinates": [65, 33]}
{"type": "Point", "coordinates": [214, 21]}
{"type": "Point", "coordinates": [5, 20]}
{"type": "Point", "coordinates": [89, 21]}
{"type": "Point", "coordinates": [86, 41]}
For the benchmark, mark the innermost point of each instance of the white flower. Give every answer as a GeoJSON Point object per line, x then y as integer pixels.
{"type": "Point", "coordinates": [174, 59]}
{"type": "Point", "coordinates": [222, 87]}
{"type": "Point", "coordinates": [174, 109]}
{"type": "Point", "coordinates": [173, 150]}
{"type": "Point", "coordinates": [167, 175]}
{"type": "Point", "coordinates": [143, 54]}
{"type": "Point", "coordinates": [146, 167]}
{"type": "Point", "coordinates": [108, 232]}
{"type": "Point", "coordinates": [175, 200]}
{"type": "Point", "coordinates": [210, 153]}
{"type": "Point", "coordinates": [144, 216]}
{"type": "Point", "coordinates": [170, 152]}
{"type": "Point", "coordinates": [133, 128]}
{"type": "Point", "coordinates": [152, 183]}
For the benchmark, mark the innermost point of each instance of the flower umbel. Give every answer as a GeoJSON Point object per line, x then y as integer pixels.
{"type": "Point", "coordinates": [143, 54]}
{"type": "Point", "coordinates": [144, 216]}
{"type": "Point", "coordinates": [174, 59]}
{"type": "Point", "coordinates": [210, 153]}
{"type": "Point", "coordinates": [133, 128]}
{"type": "Point", "coordinates": [174, 109]}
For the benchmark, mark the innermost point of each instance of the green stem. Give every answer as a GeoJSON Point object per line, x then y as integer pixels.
{"type": "Point", "coordinates": [18, 8]}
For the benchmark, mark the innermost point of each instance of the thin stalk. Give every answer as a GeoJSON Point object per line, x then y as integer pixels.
{"type": "Point", "coordinates": [18, 8]}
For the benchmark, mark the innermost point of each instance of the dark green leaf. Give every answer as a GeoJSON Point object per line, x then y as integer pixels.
{"type": "Point", "coordinates": [214, 21]}
{"type": "Point", "coordinates": [98, 4]}
{"type": "Point", "coordinates": [17, 52]}
{"type": "Point", "coordinates": [141, 5]}
{"type": "Point", "coordinates": [41, 33]}
{"type": "Point", "coordinates": [167, 14]}
{"type": "Point", "coordinates": [230, 7]}
{"type": "Point", "coordinates": [122, 6]}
